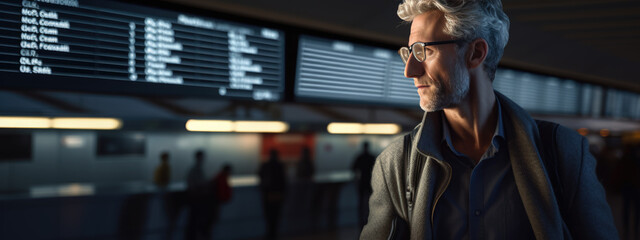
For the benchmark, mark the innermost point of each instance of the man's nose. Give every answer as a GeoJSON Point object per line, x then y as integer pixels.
{"type": "Point", "coordinates": [413, 68]}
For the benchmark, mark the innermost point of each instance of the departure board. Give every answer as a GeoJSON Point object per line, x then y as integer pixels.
{"type": "Point", "coordinates": [340, 70]}
{"type": "Point", "coordinates": [622, 104]}
{"type": "Point", "coordinates": [540, 93]}
{"type": "Point", "coordinates": [51, 40]}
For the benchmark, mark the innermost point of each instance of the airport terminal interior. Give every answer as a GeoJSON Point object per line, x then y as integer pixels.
{"type": "Point", "coordinates": [166, 119]}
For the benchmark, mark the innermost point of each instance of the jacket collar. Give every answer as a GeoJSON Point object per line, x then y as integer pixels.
{"type": "Point", "coordinates": [523, 142]}
{"type": "Point", "coordinates": [496, 139]}
{"type": "Point", "coordinates": [532, 180]}
{"type": "Point", "coordinates": [431, 137]}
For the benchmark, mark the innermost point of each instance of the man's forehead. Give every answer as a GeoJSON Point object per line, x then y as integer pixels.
{"type": "Point", "coordinates": [428, 26]}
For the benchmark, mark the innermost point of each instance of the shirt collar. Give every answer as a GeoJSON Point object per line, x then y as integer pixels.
{"type": "Point", "coordinates": [495, 143]}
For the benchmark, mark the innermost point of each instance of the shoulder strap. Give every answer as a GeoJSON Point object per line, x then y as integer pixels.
{"type": "Point", "coordinates": [400, 228]}
{"type": "Point", "coordinates": [406, 154]}
{"type": "Point", "coordinates": [549, 154]}
{"type": "Point", "coordinates": [406, 158]}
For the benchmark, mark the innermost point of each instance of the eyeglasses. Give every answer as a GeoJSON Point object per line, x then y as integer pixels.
{"type": "Point", "coordinates": [417, 49]}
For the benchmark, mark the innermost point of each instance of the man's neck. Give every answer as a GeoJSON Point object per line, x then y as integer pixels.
{"type": "Point", "coordinates": [474, 120]}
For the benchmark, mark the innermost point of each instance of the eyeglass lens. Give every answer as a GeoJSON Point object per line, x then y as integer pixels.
{"type": "Point", "coordinates": [404, 54]}
{"type": "Point", "coordinates": [418, 52]}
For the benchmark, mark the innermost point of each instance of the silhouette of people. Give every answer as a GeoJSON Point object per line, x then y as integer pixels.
{"type": "Point", "coordinates": [196, 199]}
{"type": "Point", "coordinates": [171, 201]}
{"type": "Point", "coordinates": [362, 167]}
{"type": "Point", "coordinates": [273, 188]}
{"type": "Point", "coordinates": [220, 193]}
{"type": "Point", "coordinates": [162, 174]}
{"type": "Point", "coordinates": [306, 169]}
{"type": "Point", "coordinates": [304, 188]}
{"type": "Point", "coordinates": [195, 177]}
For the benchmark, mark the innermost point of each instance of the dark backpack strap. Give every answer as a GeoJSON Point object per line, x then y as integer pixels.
{"type": "Point", "coordinates": [549, 155]}
{"type": "Point", "coordinates": [399, 227]}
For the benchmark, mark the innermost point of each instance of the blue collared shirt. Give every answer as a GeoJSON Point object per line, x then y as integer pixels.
{"type": "Point", "coordinates": [481, 201]}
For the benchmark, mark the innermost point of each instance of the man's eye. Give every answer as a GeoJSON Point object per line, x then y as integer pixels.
{"type": "Point", "coordinates": [428, 51]}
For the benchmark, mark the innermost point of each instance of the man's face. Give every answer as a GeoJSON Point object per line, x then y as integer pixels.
{"type": "Point", "coordinates": [442, 78]}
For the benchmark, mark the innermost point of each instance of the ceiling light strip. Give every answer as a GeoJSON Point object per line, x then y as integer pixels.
{"type": "Point", "coordinates": [25, 122]}
{"type": "Point", "coordinates": [196, 125]}
{"type": "Point", "coordinates": [86, 123]}
{"type": "Point", "coordinates": [366, 128]}
{"type": "Point", "coordinates": [261, 126]}
{"type": "Point", "coordinates": [61, 123]}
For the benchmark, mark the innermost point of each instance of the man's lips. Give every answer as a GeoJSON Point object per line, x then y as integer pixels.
{"type": "Point", "coordinates": [422, 86]}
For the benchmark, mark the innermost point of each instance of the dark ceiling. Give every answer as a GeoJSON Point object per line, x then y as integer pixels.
{"type": "Point", "coordinates": [596, 41]}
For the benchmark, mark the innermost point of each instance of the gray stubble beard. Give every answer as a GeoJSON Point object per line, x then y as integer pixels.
{"type": "Point", "coordinates": [449, 96]}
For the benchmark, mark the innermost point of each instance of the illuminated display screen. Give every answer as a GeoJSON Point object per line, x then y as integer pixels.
{"type": "Point", "coordinates": [540, 93]}
{"type": "Point", "coordinates": [91, 41]}
{"type": "Point", "coordinates": [339, 70]}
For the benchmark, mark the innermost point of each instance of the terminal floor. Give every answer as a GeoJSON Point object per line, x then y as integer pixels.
{"type": "Point", "coordinates": [344, 233]}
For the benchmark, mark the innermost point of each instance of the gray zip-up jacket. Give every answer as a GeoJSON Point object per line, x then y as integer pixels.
{"type": "Point", "coordinates": [412, 193]}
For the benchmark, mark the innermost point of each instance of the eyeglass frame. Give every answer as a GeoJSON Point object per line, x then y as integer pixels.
{"type": "Point", "coordinates": [424, 44]}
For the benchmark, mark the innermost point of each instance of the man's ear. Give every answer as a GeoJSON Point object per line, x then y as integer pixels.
{"type": "Point", "coordinates": [477, 52]}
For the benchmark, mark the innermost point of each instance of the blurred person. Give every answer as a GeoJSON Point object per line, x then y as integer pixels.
{"type": "Point", "coordinates": [220, 193]}
{"type": "Point", "coordinates": [305, 168]}
{"type": "Point", "coordinates": [162, 178]}
{"type": "Point", "coordinates": [162, 174]}
{"type": "Point", "coordinates": [304, 188]}
{"type": "Point", "coordinates": [362, 167]}
{"type": "Point", "coordinates": [273, 188]}
{"type": "Point", "coordinates": [195, 177]}
{"type": "Point", "coordinates": [134, 212]}
{"type": "Point", "coordinates": [196, 199]}
{"type": "Point", "coordinates": [478, 166]}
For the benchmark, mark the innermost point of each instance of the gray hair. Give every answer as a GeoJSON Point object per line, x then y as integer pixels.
{"type": "Point", "coordinates": [468, 20]}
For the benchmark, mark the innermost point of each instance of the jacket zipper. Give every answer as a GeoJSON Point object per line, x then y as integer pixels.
{"type": "Point", "coordinates": [392, 236]}
{"type": "Point", "coordinates": [441, 192]}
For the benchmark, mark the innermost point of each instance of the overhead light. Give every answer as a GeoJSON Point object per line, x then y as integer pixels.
{"type": "Point", "coordinates": [195, 125]}
{"type": "Point", "coordinates": [381, 128]}
{"type": "Point", "coordinates": [25, 122]}
{"type": "Point", "coordinates": [367, 128]}
{"type": "Point", "coordinates": [345, 128]}
{"type": "Point", "coordinates": [261, 126]}
{"type": "Point", "coordinates": [86, 123]}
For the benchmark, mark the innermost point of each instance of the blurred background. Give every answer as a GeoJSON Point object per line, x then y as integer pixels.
{"type": "Point", "coordinates": [246, 119]}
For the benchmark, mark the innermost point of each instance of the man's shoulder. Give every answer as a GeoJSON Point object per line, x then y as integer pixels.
{"type": "Point", "coordinates": [391, 158]}
{"type": "Point", "coordinates": [569, 139]}
{"type": "Point", "coordinates": [393, 150]}
{"type": "Point", "coordinates": [566, 139]}
{"type": "Point", "coordinates": [569, 152]}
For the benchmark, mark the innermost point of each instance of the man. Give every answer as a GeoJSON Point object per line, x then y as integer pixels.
{"type": "Point", "coordinates": [162, 174]}
{"type": "Point", "coordinates": [221, 192]}
{"type": "Point", "coordinates": [476, 167]}
{"type": "Point", "coordinates": [195, 177]}
{"type": "Point", "coordinates": [197, 199]}
{"type": "Point", "coordinates": [273, 186]}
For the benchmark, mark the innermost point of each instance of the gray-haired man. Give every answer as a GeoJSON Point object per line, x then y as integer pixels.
{"type": "Point", "coordinates": [478, 166]}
